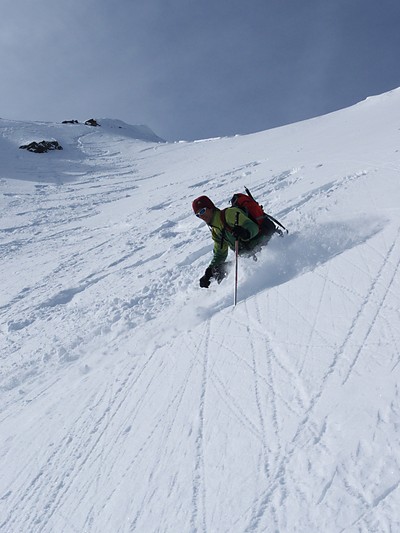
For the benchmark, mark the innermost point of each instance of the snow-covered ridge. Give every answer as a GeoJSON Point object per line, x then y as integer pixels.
{"type": "Point", "coordinates": [17, 133]}
{"type": "Point", "coordinates": [15, 130]}
{"type": "Point", "coordinates": [133, 400]}
{"type": "Point", "coordinates": [139, 131]}
{"type": "Point", "coordinates": [73, 161]}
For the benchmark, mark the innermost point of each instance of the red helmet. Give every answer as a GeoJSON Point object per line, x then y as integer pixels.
{"type": "Point", "coordinates": [202, 201]}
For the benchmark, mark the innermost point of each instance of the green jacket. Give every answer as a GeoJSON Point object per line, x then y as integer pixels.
{"type": "Point", "coordinates": [223, 239]}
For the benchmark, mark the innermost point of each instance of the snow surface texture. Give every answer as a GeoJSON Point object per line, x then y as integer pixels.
{"type": "Point", "coordinates": [133, 400]}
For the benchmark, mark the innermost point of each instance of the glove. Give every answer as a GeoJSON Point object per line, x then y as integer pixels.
{"type": "Point", "coordinates": [240, 233]}
{"type": "Point", "coordinates": [219, 272]}
{"type": "Point", "coordinates": [205, 280]}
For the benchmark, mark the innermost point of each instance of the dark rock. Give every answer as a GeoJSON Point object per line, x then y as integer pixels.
{"type": "Point", "coordinates": [92, 122]}
{"type": "Point", "coordinates": [69, 122]}
{"type": "Point", "coordinates": [42, 146]}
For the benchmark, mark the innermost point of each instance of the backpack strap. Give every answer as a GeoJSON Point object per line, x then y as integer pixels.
{"type": "Point", "coordinates": [223, 220]}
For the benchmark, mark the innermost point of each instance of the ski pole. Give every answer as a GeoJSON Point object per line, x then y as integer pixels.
{"type": "Point", "coordinates": [236, 263]}
{"type": "Point", "coordinates": [236, 271]}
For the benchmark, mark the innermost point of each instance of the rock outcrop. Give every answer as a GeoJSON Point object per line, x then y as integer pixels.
{"type": "Point", "coordinates": [42, 146]}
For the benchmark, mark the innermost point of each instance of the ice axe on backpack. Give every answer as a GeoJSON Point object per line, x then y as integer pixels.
{"type": "Point", "coordinates": [255, 211]}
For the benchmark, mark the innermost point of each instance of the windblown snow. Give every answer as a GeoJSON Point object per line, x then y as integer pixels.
{"type": "Point", "coordinates": [134, 400]}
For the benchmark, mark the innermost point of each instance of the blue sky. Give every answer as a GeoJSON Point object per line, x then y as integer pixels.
{"type": "Point", "coordinates": [195, 69]}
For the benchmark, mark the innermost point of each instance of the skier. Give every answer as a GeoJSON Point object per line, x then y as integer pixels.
{"type": "Point", "coordinates": [226, 226]}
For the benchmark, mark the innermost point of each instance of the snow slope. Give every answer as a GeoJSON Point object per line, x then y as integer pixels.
{"type": "Point", "coordinates": [133, 400]}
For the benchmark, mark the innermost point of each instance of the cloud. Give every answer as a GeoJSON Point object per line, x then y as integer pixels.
{"type": "Point", "coordinates": [190, 69]}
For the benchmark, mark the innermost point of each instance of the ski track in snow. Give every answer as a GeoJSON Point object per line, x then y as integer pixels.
{"type": "Point", "coordinates": [134, 401]}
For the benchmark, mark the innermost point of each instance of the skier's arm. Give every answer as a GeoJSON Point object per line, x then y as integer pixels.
{"type": "Point", "coordinates": [220, 253]}
{"type": "Point", "coordinates": [243, 221]}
